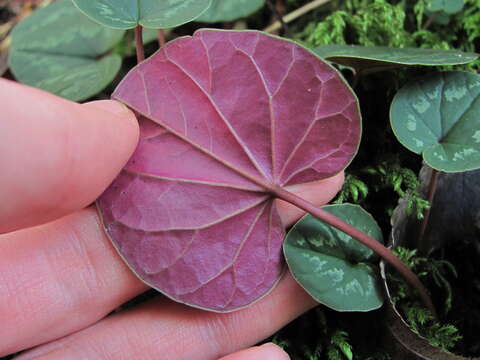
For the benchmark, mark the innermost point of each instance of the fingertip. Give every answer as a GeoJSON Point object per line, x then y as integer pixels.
{"type": "Point", "coordinates": [125, 122]}
{"type": "Point", "coordinates": [114, 107]}
{"type": "Point", "coordinates": [267, 351]}
{"type": "Point", "coordinates": [57, 156]}
{"type": "Point", "coordinates": [274, 352]}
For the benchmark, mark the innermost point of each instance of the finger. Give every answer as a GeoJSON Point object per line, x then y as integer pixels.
{"type": "Point", "coordinates": [317, 192]}
{"type": "Point", "coordinates": [179, 333]}
{"type": "Point", "coordinates": [265, 352]}
{"type": "Point", "coordinates": [69, 267]}
{"type": "Point", "coordinates": [57, 156]}
{"type": "Point", "coordinates": [59, 278]}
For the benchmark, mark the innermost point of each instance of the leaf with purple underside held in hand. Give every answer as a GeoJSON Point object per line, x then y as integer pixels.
{"type": "Point", "coordinates": [233, 116]}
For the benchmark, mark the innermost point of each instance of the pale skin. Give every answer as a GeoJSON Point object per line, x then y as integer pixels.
{"type": "Point", "coordinates": [59, 275]}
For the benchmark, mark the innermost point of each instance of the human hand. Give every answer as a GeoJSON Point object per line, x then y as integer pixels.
{"type": "Point", "coordinates": [59, 275]}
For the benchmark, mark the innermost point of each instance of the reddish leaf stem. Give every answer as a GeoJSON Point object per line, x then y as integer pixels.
{"type": "Point", "coordinates": [161, 38]}
{"type": "Point", "coordinates": [363, 238]}
{"type": "Point", "coordinates": [139, 44]}
{"type": "Point", "coordinates": [432, 187]}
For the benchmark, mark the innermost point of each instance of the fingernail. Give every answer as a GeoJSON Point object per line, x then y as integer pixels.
{"type": "Point", "coordinates": [275, 352]}
{"type": "Point", "coordinates": [112, 106]}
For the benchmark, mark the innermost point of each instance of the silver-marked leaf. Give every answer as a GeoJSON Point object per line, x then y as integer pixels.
{"type": "Point", "coordinates": [59, 51]}
{"type": "Point", "coordinates": [157, 14]}
{"type": "Point", "coordinates": [439, 117]}
{"type": "Point", "coordinates": [385, 58]}
{"type": "Point", "coordinates": [229, 10]}
{"type": "Point", "coordinates": [335, 269]}
{"type": "Point", "coordinates": [233, 115]}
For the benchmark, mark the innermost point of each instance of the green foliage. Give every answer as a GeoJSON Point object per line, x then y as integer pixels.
{"type": "Point", "coordinates": [403, 181]}
{"type": "Point", "coordinates": [75, 63]}
{"type": "Point", "coordinates": [380, 23]}
{"type": "Point", "coordinates": [329, 31]}
{"type": "Point", "coordinates": [437, 116]}
{"type": "Point", "coordinates": [340, 348]}
{"type": "Point", "coordinates": [335, 269]}
{"type": "Point", "coordinates": [353, 190]}
{"type": "Point", "coordinates": [419, 318]}
{"type": "Point", "coordinates": [377, 23]}
{"type": "Point", "coordinates": [127, 14]}
{"type": "Point", "coordinates": [446, 6]}
{"type": "Point", "coordinates": [419, 10]}
{"type": "Point", "coordinates": [470, 20]}
{"type": "Point", "coordinates": [229, 10]}
{"type": "Point", "coordinates": [386, 174]}
{"type": "Point", "coordinates": [436, 270]}
{"type": "Point", "coordinates": [369, 22]}
{"type": "Point", "coordinates": [422, 322]}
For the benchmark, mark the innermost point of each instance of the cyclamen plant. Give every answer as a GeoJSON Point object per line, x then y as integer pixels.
{"type": "Point", "coordinates": [229, 120]}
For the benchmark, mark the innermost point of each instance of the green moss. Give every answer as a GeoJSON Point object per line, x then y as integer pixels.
{"type": "Point", "coordinates": [384, 175]}
{"type": "Point", "coordinates": [470, 19]}
{"type": "Point", "coordinates": [403, 181]}
{"type": "Point", "coordinates": [386, 23]}
{"type": "Point", "coordinates": [421, 321]}
{"type": "Point", "coordinates": [353, 190]}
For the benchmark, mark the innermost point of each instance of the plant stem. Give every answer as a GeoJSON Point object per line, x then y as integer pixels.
{"type": "Point", "coordinates": [279, 16]}
{"type": "Point", "coordinates": [363, 238]}
{"type": "Point", "coordinates": [295, 14]}
{"type": "Point", "coordinates": [432, 187]}
{"type": "Point", "coordinates": [161, 38]}
{"type": "Point", "coordinates": [139, 44]}
{"type": "Point", "coordinates": [429, 21]}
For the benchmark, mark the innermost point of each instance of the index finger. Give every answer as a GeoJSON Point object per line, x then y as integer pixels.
{"type": "Point", "coordinates": [57, 156]}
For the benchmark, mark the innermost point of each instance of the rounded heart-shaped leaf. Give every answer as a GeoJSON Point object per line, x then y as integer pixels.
{"type": "Point", "coordinates": [335, 269]}
{"type": "Point", "coordinates": [156, 14]}
{"type": "Point", "coordinates": [74, 63]}
{"type": "Point", "coordinates": [439, 117]}
{"type": "Point", "coordinates": [229, 10]}
{"type": "Point", "coordinates": [385, 58]}
{"type": "Point", "coordinates": [234, 115]}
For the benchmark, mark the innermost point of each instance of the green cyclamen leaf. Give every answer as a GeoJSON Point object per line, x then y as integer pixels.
{"type": "Point", "coordinates": [446, 6]}
{"type": "Point", "coordinates": [335, 269]}
{"type": "Point", "coordinates": [382, 57]}
{"type": "Point", "coordinates": [439, 117]}
{"type": "Point", "coordinates": [59, 51]}
{"type": "Point", "coordinates": [229, 10]}
{"type": "Point", "coordinates": [157, 14]}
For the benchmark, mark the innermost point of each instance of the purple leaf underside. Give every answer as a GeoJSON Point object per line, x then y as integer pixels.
{"type": "Point", "coordinates": [226, 117]}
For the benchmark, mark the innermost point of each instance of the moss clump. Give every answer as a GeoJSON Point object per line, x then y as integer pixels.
{"type": "Point", "coordinates": [421, 321]}
{"type": "Point", "coordinates": [396, 24]}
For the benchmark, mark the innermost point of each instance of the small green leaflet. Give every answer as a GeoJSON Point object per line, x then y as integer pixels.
{"type": "Point", "coordinates": [439, 117]}
{"type": "Point", "coordinates": [229, 10]}
{"type": "Point", "coordinates": [384, 58]}
{"type": "Point", "coordinates": [59, 51]}
{"type": "Point", "coordinates": [446, 6]}
{"type": "Point", "coordinates": [156, 14]}
{"type": "Point", "coordinates": [335, 269]}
